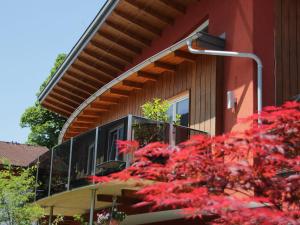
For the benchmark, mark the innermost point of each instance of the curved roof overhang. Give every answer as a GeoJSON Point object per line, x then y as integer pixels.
{"type": "Point", "coordinates": [118, 35]}
{"type": "Point", "coordinates": [89, 113]}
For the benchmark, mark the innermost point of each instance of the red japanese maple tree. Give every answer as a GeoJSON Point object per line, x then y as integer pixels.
{"type": "Point", "coordinates": [250, 177]}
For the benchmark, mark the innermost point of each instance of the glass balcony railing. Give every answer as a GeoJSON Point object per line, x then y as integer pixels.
{"type": "Point", "coordinates": [70, 164]}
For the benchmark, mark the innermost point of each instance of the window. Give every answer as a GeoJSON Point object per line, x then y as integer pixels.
{"type": "Point", "coordinates": [180, 106]}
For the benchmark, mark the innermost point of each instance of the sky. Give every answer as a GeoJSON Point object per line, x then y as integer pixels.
{"type": "Point", "coordinates": [32, 34]}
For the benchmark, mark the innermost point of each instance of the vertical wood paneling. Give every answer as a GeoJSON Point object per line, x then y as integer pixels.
{"type": "Point", "coordinates": [193, 96]}
{"type": "Point", "coordinates": [213, 99]}
{"type": "Point", "coordinates": [202, 93]}
{"type": "Point", "coordinates": [199, 78]}
{"type": "Point", "coordinates": [287, 49]}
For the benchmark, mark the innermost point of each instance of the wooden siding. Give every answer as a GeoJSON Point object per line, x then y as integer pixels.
{"type": "Point", "coordinates": [198, 78]}
{"type": "Point", "coordinates": [287, 49]}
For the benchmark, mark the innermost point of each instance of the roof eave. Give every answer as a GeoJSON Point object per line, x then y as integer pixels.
{"type": "Point", "coordinates": [105, 11]}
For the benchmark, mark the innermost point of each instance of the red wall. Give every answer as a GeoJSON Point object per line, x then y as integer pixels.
{"type": "Point", "coordinates": [248, 25]}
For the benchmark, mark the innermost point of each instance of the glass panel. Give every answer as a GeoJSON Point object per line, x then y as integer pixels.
{"type": "Point", "coordinates": [109, 159]}
{"type": "Point", "coordinates": [146, 131]}
{"type": "Point", "coordinates": [60, 168]}
{"type": "Point", "coordinates": [182, 108]}
{"type": "Point", "coordinates": [182, 133]}
{"type": "Point", "coordinates": [170, 113]}
{"type": "Point", "coordinates": [82, 161]}
{"type": "Point", "coordinates": [43, 175]}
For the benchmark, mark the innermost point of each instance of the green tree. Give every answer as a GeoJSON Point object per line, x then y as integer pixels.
{"type": "Point", "coordinates": [44, 124]}
{"type": "Point", "coordinates": [156, 110]}
{"type": "Point", "coordinates": [16, 195]}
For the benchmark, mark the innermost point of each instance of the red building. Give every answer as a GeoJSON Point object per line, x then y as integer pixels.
{"type": "Point", "coordinates": [134, 51]}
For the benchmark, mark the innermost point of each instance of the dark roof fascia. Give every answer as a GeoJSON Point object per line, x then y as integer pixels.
{"type": "Point", "coordinates": [106, 9]}
{"type": "Point", "coordinates": [209, 41]}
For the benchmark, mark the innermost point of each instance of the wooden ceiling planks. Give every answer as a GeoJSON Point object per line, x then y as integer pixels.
{"type": "Point", "coordinates": [130, 28]}
{"type": "Point", "coordinates": [133, 83]}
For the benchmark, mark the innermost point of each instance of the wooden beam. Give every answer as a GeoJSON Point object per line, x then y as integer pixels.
{"type": "Point", "coordinates": [80, 73]}
{"type": "Point", "coordinates": [122, 93]}
{"type": "Point", "coordinates": [98, 105]}
{"type": "Point", "coordinates": [70, 134]}
{"type": "Point", "coordinates": [120, 199]}
{"type": "Point", "coordinates": [109, 100]}
{"type": "Point", "coordinates": [113, 65]}
{"type": "Point", "coordinates": [110, 74]}
{"type": "Point", "coordinates": [147, 75]}
{"type": "Point", "coordinates": [111, 51]}
{"type": "Point", "coordinates": [137, 22]}
{"type": "Point", "coordinates": [61, 97]}
{"type": "Point", "coordinates": [84, 119]}
{"type": "Point", "coordinates": [173, 5]}
{"type": "Point", "coordinates": [68, 94]}
{"type": "Point", "coordinates": [56, 109]}
{"type": "Point", "coordinates": [134, 36]}
{"type": "Point", "coordinates": [60, 105]}
{"type": "Point", "coordinates": [82, 125]}
{"type": "Point", "coordinates": [165, 66]}
{"type": "Point", "coordinates": [185, 55]}
{"type": "Point", "coordinates": [91, 113]}
{"type": "Point", "coordinates": [98, 74]}
{"type": "Point", "coordinates": [163, 18]}
{"type": "Point", "coordinates": [76, 130]}
{"type": "Point", "coordinates": [78, 90]}
{"type": "Point", "coordinates": [83, 83]}
{"type": "Point", "coordinates": [60, 101]}
{"type": "Point", "coordinates": [132, 84]}
{"type": "Point", "coordinates": [130, 193]}
{"type": "Point", "coordinates": [121, 43]}
{"type": "Point", "coordinates": [73, 91]}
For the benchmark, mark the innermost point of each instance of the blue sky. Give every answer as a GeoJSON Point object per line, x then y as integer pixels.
{"type": "Point", "coordinates": [32, 34]}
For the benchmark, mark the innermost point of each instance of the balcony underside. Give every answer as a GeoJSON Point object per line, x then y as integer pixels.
{"type": "Point", "coordinates": [78, 201]}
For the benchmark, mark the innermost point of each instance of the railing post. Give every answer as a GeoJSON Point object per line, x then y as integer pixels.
{"type": "Point", "coordinates": [129, 138]}
{"type": "Point", "coordinates": [50, 215]}
{"type": "Point", "coordinates": [172, 140]}
{"type": "Point", "coordinates": [95, 153]}
{"type": "Point", "coordinates": [36, 177]}
{"type": "Point", "coordinates": [92, 206]}
{"type": "Point", "coordinates": [50, 175]}
{"type": "Point", "coordinates": [70, 163]}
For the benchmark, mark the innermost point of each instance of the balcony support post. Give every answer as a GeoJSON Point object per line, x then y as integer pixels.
{"type": "Point", "coordinates": [129, 138]}
{"type": "Point", "coordinates": [95, 153]}
{"type": "Point", "coordinates": [70, 163]}
{"type": "Point", "coordinates": [92, 206]}
{"type": "Point", "coordinates": [50, 175]}
{"type": "Point", "coordinates": [172, 136]}
{"type": "Point", "coordinates": [50, 214]}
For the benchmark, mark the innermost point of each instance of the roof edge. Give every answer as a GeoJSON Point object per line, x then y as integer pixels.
{"type": "Point", "coordinates": [104, 12]}
{"type": "Point", "coordinates": [193, 36]}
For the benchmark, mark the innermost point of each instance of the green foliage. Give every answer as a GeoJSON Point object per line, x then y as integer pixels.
{"type": "Point", "coordinates": [156, 110]}
{"type": "Point", "coordinates": [45, 125]}
{"type": "Point", "coordinates": [59, 60]}
{"type": "Point", "coordinates": [80, 219]}
{"type": "Point", "coordinates": [16, 194]}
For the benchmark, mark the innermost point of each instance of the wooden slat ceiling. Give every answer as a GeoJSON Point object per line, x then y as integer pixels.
{"type": "Point", "coordinates": [91, 115]}
{"type": "Point", "coordinates": [130, 28]}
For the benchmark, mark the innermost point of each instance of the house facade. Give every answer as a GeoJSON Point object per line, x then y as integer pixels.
{"type": "Point", "coordinates": [135, 51]}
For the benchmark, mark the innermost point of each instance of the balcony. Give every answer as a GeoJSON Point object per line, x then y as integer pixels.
{"type": "Point", "coordinates": [68, 165]}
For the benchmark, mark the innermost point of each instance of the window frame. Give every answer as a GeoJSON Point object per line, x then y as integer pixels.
{"type": "Point", "coordinates": [178, 98]}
